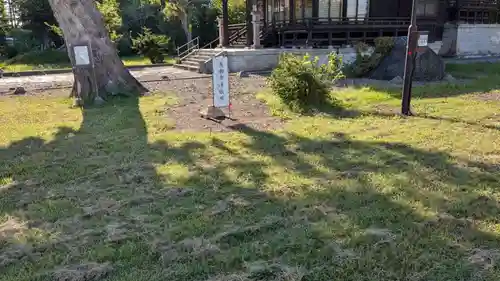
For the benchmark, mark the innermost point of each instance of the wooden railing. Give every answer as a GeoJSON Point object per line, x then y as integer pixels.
{"type": "Point", "coordinates": [398, 21]}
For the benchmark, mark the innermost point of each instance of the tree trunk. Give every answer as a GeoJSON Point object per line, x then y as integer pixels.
{"type": "Point", "coordinates": [185, 26]}
{"type": "Point", "coordinates": [82, 23]}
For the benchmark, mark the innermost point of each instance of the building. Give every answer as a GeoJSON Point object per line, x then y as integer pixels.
{"type": "Point", "coordinates": [318, 27]}
{"type": "Point", "coordinates": [323, 23]}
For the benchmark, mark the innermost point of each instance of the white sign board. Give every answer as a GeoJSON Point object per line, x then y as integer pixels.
{"type": "Point", "coordinates": [82, 56]}
{"type": "Point", "coordinates": [422, 40]}
{"type": "Point", "coordinates": [220, 81]}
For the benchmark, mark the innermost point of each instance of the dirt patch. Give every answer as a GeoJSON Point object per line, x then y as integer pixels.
{"type": "Point", "coordinates": [490, 96]}
{"type": "Point", "coordinates": [484, 258]}
{"type": "Point", "coordinates": [196, 247]}
{"type": "Point", "coordinates": [82, 272]}
{"type": "Point", "coordinates": [195, 95]}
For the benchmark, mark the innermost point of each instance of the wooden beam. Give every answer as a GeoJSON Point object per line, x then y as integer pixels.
{"type": "Point", "coordinates": [225, 23]}
{"type": "Point", "coordinates": [249, 5]}
{"type": "Point", "coordinates": [291, 5]}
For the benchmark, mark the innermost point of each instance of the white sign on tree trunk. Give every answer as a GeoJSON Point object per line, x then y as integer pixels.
{"type": "Point", "coordinates": [82, 56]}
{"type": "Point", "coordinates": [220, 81]}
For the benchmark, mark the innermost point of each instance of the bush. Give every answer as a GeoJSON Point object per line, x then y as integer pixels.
{"type": "Point", "coordinates": [24, 41]}
{"type": "Point", "coordinates": [302, 83]}
{"type": "Point", "coordinates": [366, 61]}
{"type": "Point", "coordinates": [151, 45]}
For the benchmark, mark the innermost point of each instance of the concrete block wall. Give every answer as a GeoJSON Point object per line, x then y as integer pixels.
{"type": "Point", "coordinates": [478, 39]}
{"type": "Point", "coordinates": [267, 59]}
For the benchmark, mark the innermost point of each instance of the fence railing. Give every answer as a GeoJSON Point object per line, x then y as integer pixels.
{"type": "Point", "coordinates": [235, 32]}
{"type": "Point", "coordinates": [186, 49]}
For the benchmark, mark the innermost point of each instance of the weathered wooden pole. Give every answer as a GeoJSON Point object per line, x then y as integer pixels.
{"type": "Point", "coordinates": [411, 49]}
{"type": "Point", "coordinates": [225, 23]}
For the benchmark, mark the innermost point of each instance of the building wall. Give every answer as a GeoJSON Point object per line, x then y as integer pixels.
{"type": "Point", "coordinates": [478, 39]}
{"type": "Point", "coordinates": [267, 59]}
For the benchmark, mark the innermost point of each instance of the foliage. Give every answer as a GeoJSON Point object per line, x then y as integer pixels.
{"type": "Point", "coordinates": [4, 25]}
{"type": "Point", "coordinates": [367, 60]}
{"type": "Point", "coordinates": [237, 10]}
{"type": "Point", "coordinates": [302, 82]}
{"type": "Point", "coordinates": [151, 45]}
{"type": "Point", "coordinates": [23, 41]}
{"type": "Point", "coordinates": [37, 16]}
{"type": "Point", "coordinates": [110, 11]}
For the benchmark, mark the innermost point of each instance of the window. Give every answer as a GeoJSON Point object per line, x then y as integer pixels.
{"type": "Point", "coordinates": [427, 8]}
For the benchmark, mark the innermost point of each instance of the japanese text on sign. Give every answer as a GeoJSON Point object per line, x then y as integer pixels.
{"type": "Point", "coordinates": [220, 81]}
{"type": "Point", "coordinates": [422, 40]}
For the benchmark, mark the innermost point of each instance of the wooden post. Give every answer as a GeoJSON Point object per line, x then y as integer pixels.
{"type": "Point", "coordinates": [292, 10]}
{"type": "Point", "coordinates": [225, 23]}
{"type": "Point", "coordinates": [249, 26]}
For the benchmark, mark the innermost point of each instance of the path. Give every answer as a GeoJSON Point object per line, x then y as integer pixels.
{"type": "Point", "coordinates": [61, 80]}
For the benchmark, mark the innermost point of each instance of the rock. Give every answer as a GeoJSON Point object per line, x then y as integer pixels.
{"type": "Point", "coordinates": [213, 112]}
{"type": "Point", "coordinates": [1, 73]}
{"type": "Point", "coordinates": [99, 101]}
{"type": "Point", "coordinates": [17, 91]}
{"type": "Point", "coordinates": [77, 102]}
{"type": "Point", "coordinates": [242, 74]}
{"type": "Point", "coordinates": [449, 78]}
{"type": "Point", "coordinates": [397, 80]}
{"type": "Point", "coordinates": [429, 66]}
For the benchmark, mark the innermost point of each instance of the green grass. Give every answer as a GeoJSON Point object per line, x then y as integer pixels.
{"type": "Point", "coordinates": [53, 59]}
{"type": "Point", "coordinates": [112, 194]}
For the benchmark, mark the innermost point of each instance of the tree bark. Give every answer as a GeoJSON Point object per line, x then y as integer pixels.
{"type": "Point", "coordinates": [185, 25]}
{"type": "Point", "coordinates": [82, 23]}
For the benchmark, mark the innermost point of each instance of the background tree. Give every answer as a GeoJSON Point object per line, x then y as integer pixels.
{"type": "Point", "coordinates": [81, 22]}
{"type": "Point", "coordinates": [4, 25]}
{"type": "Point", "coordinates": [35, 16]}
{"type": "Point", "coordinates": [179, 9]}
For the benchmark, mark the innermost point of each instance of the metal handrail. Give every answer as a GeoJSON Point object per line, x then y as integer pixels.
{"type": "Point", "coordinates": [234, 36]}
{"type": "Point", "coordinates": [193, 44]}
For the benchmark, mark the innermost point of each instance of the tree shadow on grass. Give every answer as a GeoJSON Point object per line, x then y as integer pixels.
{"type": "Point", "coordinates": [256, 204]}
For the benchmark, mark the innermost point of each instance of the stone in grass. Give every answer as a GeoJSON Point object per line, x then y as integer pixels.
{"type": "Point", "coordinates": [397, 80]}
{"type": "Point", "coordinates": [243, 74]}
{"type": "Point", "coordinates": [429, 66]}
{"type": "Point", "coordinates": [17, 91]}
{"type": "Point", "coordinates": [212, 112]}
{"type": "Point", "coordinates": [449, 78]}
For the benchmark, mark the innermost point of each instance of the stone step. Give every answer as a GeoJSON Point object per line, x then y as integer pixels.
{"type": "Point", "coordinates": [208, 52]}
{"type": "Point", "coordinates": [201, 57]}
{"type": "Point", "coordinates": [197, 59]}
{"type": "Point", "coordinates": [191, 63]}
{"type": "Point", "coordinates": [187, 67]}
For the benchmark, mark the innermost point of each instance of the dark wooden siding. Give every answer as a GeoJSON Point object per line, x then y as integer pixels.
{"type": "Point", "coordinates": [384, 8]}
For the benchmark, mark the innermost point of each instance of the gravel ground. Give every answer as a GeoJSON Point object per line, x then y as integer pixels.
{"type": "Point", "coordinates": [65, 80]}
{"type": "Point", "coordinates": [246, 110]}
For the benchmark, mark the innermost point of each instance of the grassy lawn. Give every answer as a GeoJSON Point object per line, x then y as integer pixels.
{"type": "Point", "coordinates": [58, 60]}
{"type": "Point", "coordinates": [110, 194]}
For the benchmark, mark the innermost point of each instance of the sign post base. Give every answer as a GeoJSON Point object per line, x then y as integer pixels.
{"type": "Point", "coordinates": [213, 112]}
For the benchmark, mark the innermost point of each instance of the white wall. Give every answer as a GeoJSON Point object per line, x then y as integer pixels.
{"type": "Point", "coordinates": [267, 59]}
{"type": "Point", "coordinates": [478, 39]}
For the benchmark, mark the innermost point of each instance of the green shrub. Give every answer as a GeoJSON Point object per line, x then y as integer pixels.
{"type": "Point", "coordinates": [366, 62]}
{"type": "Point", "coordinates": [24, 41]}
{"type": "Point", "coordinates": [301, 83]}
{"type": "Point", "coordinates": [49, 56]}
{"type": "Point", "coordinates": [151, 45]}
